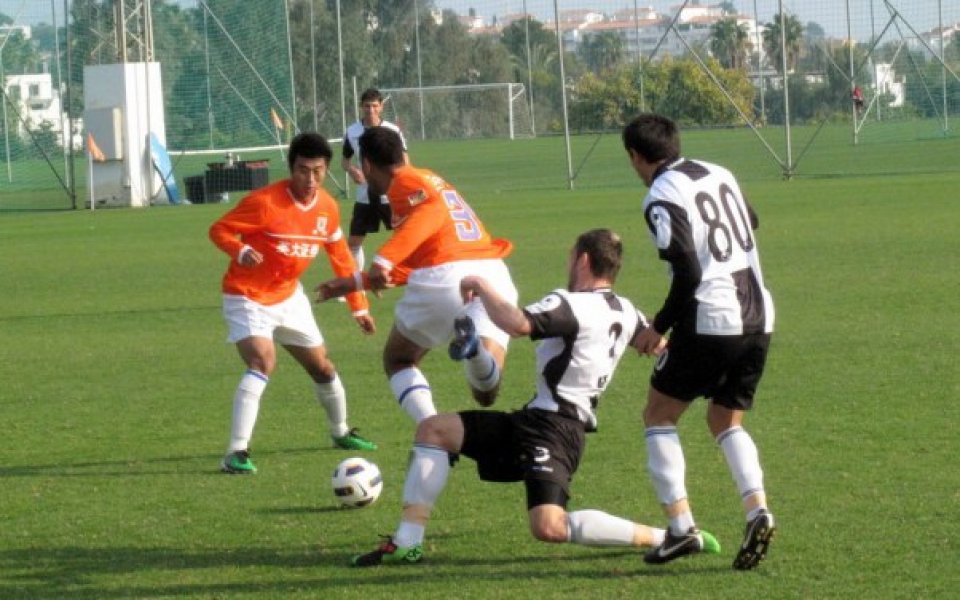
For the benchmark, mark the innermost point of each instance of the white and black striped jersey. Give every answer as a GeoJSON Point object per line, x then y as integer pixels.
{"type": "Point", "coordinates": [351, 144]}
{"type": "Point", "coordinates": [583, 335]}
{"type": "Point", "coordinates": [703, 227]}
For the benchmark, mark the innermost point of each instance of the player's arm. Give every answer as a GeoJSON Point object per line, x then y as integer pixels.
{"type": "Point", "coordinates": [674, 237]}
{"type": "Point", "coordinates": [344, 266]}
{"type": "Point", "coordinates": [225, 232]}
{"type": "Point", "coordinates": [503, 313]}
{"type": "Point", "coordinates": [352, 169]}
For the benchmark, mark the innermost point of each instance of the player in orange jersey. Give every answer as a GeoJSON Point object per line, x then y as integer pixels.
{"type": "Point", "coordinates": [272, 236]}
{"type": "Point", "coordinates": [437, 241]}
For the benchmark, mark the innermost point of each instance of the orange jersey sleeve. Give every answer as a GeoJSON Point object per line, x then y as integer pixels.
{"type": "Point", "coordinates": [288, 234]}
{"type": "Point", "coordinates": [433, 224]}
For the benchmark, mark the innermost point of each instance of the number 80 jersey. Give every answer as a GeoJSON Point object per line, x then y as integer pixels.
{"type": "Point", "coordinates": [704, 228]}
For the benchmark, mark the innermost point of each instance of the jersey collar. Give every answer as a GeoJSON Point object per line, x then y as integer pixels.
{"type": "Point", "coordinates": [666, 166]}
{"type": "Point", "coordinates": [304, 206]}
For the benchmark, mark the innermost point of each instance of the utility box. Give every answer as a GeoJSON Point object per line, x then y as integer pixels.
{"type": "Point", "coordinates": [123, 105]}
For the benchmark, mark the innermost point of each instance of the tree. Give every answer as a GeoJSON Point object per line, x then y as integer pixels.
{"type": "Point", "coordinates": [793, 36]}
{"type": "Point", "coordinates": [728, 8]}
{"type": "Point", "coordinates": [602, 51]}
{"type": "Point", "coordinates": [676, 87]}
{"type": "Point", "coordinates": [730, 43]}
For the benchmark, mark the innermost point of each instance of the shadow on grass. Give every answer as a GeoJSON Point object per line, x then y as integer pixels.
{"type": "Point", "coordinates": [78, 572]}
{"type": "Point", "coordinates": [130, 466]}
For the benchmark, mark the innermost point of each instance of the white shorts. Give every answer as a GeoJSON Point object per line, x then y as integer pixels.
{"type": "Point", "coordinates": [432, 301]}
{"type": "Point", "coordinates": [290, 322]}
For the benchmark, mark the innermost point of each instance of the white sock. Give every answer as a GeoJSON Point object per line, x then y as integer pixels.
{"type": "Point", "coordinates": [408, 534]}
{"type": "Point", "coordinates": [358, 257]}
{"type": "Point", "coordinates": [482, 370]}
{"type": "Point", "coordinates": [246, 403]}
{"type": "Point", "coordinates": [426, 478]}
{"type": "Point", "coordinates": [333, 399]}
{"type": "Point", "coordinates": [597, 528]}
{"type": "Point", "coordinates": [667, 471]}
{"type": "Point", "coordinates": [743, 460]}
{"type": "Point", "coordinates": [413, 393]}
{"type": "Point", "coordinates": [682, 522]}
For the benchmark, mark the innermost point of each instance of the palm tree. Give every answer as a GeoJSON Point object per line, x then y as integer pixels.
{"type": "Point", "coordinates": [730, 43]}
{"type": "Point", "coordinates": [793, 35]}
{"type": "Point", "coordinates": [603, 50]}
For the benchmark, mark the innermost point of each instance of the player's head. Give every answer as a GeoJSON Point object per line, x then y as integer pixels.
{"type": "Point", "coordinates": [308, 158]}
{"type": "Point", "coordinates": [308, 145]}
{"type": "Point", "coordinates": [653, 136]}
{"type": "Point", "coordinates": [371, 95]}
{"type": "Point", "coordinates": [604, 252]}
{"type": "Point", "coordinates": [651, 140]}
{"type": "Point", "coordinates": [371, 104]}
{"type": "Point", "coordinates": [382, 147]}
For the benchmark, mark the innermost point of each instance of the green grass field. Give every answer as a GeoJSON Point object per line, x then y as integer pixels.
{"type": "Point", "coordinates": [116, 387]}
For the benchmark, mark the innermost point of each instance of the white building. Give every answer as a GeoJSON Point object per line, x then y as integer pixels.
{"type": "Point", "coordinates": [38, 103]}
{"type": "Point", "coordinates": [887, 83]}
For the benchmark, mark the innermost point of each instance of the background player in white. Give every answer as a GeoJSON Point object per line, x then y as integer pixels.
{"type": "Point", "coordinates": [371, 209]}
{"type": "Point", "coordinates": [720, 318]}
{"type": "Point", "coordinates": [585, 329]}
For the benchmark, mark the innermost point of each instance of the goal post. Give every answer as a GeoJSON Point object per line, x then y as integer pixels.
{"type": "Point", "coordinates": [484, 110]}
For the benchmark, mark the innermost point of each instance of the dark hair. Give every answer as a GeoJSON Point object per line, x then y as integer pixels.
{"type": "Point", "coordinates": [309, 145]}
{"type": "Point", "coordinates": [381, 146]}
{"type": "Point", "coordinates": [654, 137]}
{"type": "Point", "coordinates": [605, 251]}
{"type": "Point", "coordinates": [371, 95]}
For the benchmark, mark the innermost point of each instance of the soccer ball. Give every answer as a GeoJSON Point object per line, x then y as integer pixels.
{"type": "Point", "coordinates": [356, 482]}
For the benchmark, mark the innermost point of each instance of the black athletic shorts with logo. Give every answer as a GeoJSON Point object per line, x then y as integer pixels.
{"type": "Point", "coordinates": [367, 217]}
{"type": "Point", "coordinates": [724, 368]}
{"type": "Point", "coordinates": [539, 447]}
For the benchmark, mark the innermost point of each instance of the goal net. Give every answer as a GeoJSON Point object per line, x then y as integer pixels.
{"type": "Point", "coordinates": [490, 110]}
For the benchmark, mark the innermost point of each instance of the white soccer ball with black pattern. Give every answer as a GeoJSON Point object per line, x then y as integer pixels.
{"type": "Point", "coordinates": [356, 482]}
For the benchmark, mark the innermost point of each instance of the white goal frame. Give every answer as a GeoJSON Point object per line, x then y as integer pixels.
{"type": "Point", "coordinates": [514, 97]}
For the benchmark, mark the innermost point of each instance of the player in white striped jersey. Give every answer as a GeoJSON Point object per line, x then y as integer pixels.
{"type": "Point", "coordinates": [720, 317]}
{"type": "Point", "coordinates": [584, 331]}
{"type": "Point", "coordinates": [370, 210]}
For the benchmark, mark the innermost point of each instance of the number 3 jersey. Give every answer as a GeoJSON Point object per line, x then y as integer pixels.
{"type": "Point", "coordinates": [703, 228]}
{"type": "Point", "coordinates": [583, 336]}
{"type": "Point", "coordinates": [433, 225]}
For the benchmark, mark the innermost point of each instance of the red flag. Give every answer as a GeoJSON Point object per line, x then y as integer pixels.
{"type": "Point", "coordinates": [94, 150]}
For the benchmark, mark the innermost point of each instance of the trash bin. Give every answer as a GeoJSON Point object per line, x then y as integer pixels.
{"type": "Point", "coordinates": [195, 189]}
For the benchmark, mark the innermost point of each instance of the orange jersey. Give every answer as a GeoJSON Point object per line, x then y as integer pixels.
{"type": "Point", "coordinates": [433, 225]}
{"type": "Point", "coordinates": [289, 235]}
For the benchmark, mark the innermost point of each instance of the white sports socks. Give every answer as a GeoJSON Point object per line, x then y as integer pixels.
{"type": "Point", "coordinates": [482, 371]}
{"type": "Point", "coordinates": [667, 471]}
{"type": "Point", "coordinates": [597, 528]}
{"type": "Point", "coordinates": [333, 399]}
{"type": "Point", "coordinates": [426, 478]}
{"type": "Point", "coordinates": [246, 404]}
{"type": "Point", "coordinates": [358, 257]}
{"type": "Point", "coordinates": [743, 460]}
{"type": "Point", "coordinates": [413, 393]}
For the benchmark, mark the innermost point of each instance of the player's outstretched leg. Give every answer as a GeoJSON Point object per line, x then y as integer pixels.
{"type": "Point", "coordinates": [694, 541]}
{"type": "Point", "coordinates": [756, 540]}
{"type": "Point", "coordinates": [389, 553]}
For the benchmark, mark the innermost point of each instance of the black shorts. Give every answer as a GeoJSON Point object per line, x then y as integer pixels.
{"type": "Point", "coordinates": [724, 368]}
{"type": "Point", "coordinates": [538, 447]}
{"type": "Point", "coordinates": [367, 217]}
